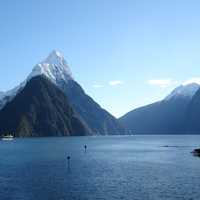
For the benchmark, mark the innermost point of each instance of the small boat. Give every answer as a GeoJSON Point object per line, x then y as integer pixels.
{"type": "Point", "coordinates": [7, 137]}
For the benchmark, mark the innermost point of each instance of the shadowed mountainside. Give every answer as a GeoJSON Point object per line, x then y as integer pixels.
{"type": "Point", "coordinates": [40, 109]}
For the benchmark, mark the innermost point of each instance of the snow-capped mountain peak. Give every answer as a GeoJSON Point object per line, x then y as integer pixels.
{"type": "Point", "coordinates": [53, 67]}
{"type": "Point", "coordinates": [186, 91]}
{"type": "Point", "coordinates": [56, 58]}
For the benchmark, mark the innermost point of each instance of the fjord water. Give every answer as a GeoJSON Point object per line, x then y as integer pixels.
{"type": "Point", "coordinates": [113, 168]}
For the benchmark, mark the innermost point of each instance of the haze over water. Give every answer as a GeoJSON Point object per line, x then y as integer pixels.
{"type": "Point", "coordinates": [113, 168]}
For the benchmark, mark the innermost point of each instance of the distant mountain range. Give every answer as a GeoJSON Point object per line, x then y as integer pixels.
{"type": "Point", "coordinates": [178, 113]}
{"type": "Point", "coordinates": [51, 103]}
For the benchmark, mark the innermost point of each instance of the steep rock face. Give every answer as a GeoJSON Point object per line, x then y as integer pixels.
{"type": "Point", "coordinates": [163, 117]}
{"type": "Point", "coordinates": [40, 109]}
{"type": "Point", "coordinates": [157, 118]}
{"type": "Point", "coordinates": [56, 69]}
{"type": "Point", "coordinates": [192, 119]}
{"type": "Point", "coordinates": [99, 120]}
{"type": "Point", "coordinates": [183, 92]}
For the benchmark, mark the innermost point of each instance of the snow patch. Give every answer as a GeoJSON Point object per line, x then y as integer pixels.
{"type": "Point", "coordinates": [187, 91]}
{"type": "Point", "coordinates": [53, 67]}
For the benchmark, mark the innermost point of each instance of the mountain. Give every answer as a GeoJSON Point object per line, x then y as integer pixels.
{"type": "Point", "coordinates": [40, 109]}
{"type": "Point", "coordinates": [1, 94]}
{"type": "Point", "coordinates": [1, 97]}
{"type": "Point", "coordinates": [99, 120]}
{"type": "Point", "coordinates": [163, 117]}
{"type": "Point", "coordinates": [192, 119]}
{"type": "Point", "coordinates": [56, 69]}
{"type": "Point", "coordinates": [184, 91]}
{"type": "Point", "coordinates": [53, 67]}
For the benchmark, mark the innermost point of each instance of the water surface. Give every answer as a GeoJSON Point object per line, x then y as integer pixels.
{"type": "Point", "coordinates": [113, 168]}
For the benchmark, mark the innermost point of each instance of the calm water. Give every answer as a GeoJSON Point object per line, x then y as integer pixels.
{"type": "Point", "coordinates": [113, 168]}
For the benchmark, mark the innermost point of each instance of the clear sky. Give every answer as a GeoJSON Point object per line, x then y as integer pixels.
{"type": "Point", "coordinates": [124, 53]}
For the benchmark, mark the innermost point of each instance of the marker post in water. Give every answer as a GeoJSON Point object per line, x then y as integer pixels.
{"type": "Point", "coordinates": [68, 161]}
{"type": "Point", "coordinates": [85, 147]}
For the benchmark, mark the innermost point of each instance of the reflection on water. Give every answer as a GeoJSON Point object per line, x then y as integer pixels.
{"type": "Point", "coordinates": [111, 168]}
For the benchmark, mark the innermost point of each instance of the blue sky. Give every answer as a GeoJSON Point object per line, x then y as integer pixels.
{"type": "Point", "coordinates": [125, 53]}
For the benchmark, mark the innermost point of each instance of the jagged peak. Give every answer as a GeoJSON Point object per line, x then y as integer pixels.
{"type": "Point", "coordinates": [53, 67]}
{"type": "Point", "coordinates": [55, 56]}
{"type": "Point", "coordinates": [184, 90]}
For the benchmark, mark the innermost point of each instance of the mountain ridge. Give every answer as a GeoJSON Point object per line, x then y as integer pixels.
{"type": "Point", "coordinates": [55, 68]}
{"type": "Point", "coordinates": [167, 116]}
{"type": "Point", "coordinates": [40, 109]}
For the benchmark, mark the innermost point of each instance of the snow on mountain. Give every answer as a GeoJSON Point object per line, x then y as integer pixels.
{"type": "Point", "coordinates": [186, 91]}
{"type": "Point", "coordinates": [53, 67]}
{"type": "Point", "coordinates": [8, 96]}
{"type": "Point", "coordinates": [1, 94]}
